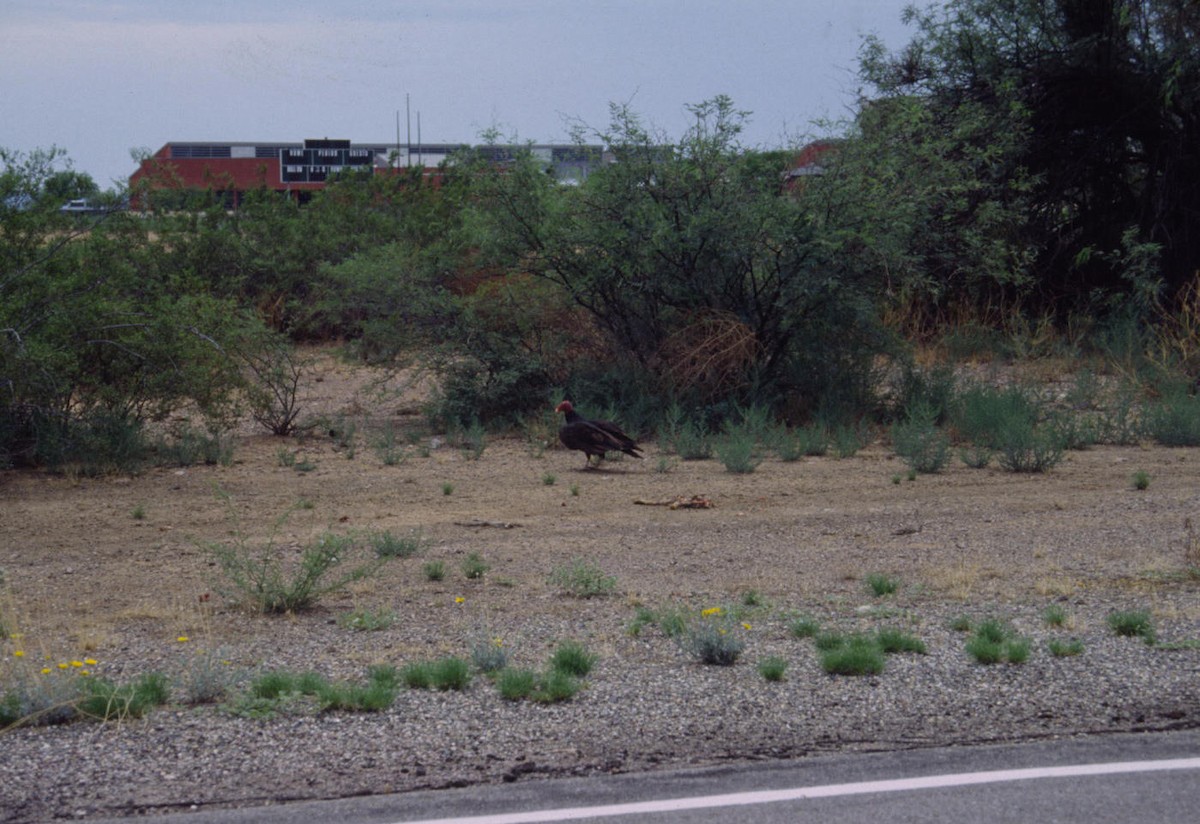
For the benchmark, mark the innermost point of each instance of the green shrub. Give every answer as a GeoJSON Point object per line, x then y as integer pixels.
{"type": "Point", "coordinates": [692, 442]}
{"type": "Point", "coordinates": [450, 674]}
{"type": "Point", "coordinates": [555, 686]}
{"type": "Point", "coordinates": [366, 620]}
{"type": "Point", "coordinates": [993, 642]}
{"type": "Point", "coordinates": [1022, 447]}
{"type": "Point", "coordinates": [893, 641]}
{"type": "Point", "coordinates": [1135, 623]}
{"type": "Point", "coordinates": [1141, 480]}
{"type": "Point", "coordinates": [1175, 420]}
{"type": "Point", "coordinates": [804, 626]}
{"type": "Point", "coordinates": [856, 655]}
{"type": "Point", "coordinates": [918, 441]}
{"type": "Point", "coordinates": [572, 658]}
{"type": "Point", "coordinates": [434, 570]}
{"type": "Point", "coordinates": [387, 545]}
{"type": "Point", "coordinates": [104, 701]}
{"type": "Point", "coordinates": [881, 585]}
{"type": "Point", "coordinates": [516, 684]}
{"type": "Point", "coordinates": [474, 567]}
{"type": "Point", "coordinates": [442, 674]}
{"type": "Point", "coordinates": [1054, 616]}
{"type": "Point", "coordinates": [268, 584]}
{"type": "Point", "coordinates": [982, 414]}
{"type": "Point", "coordinates": [813, 440]}
{"type": "Point", "coordinates": [583, 579]}
{"type": "Point", "coordinates": [773, 668]}
{"type": "Point", "coordinates": [738, 450]}
{"type": "Point", "coordinates": [1065, 649]}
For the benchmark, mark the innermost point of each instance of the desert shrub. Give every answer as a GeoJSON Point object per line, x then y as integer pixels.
{"type": "Point", "coordinates": [1174, 420]}
{"type": "Point", "coordinates": [925, 394]}
{"type": "Point", "coordinates": [267, 583]}
{"type": "Point", "coordinates": [572, 658]}
{"type": "Point", "coordinates": [919, 442]}
{"type": "Point", "coordinates": [855, 655]}
{"type": "Point", "coordinates": [738, 450]}
{"type": "Point", "coordinates": [516, 684]}
{"type": "Point", "coordinates": [994, 642]}
{"type": "Point", "coordinates": [191, 447]}
{"type": "Point", "coordinates": [772, 668]}
{"type": "Point", "coordinates": [443, 674]}
{"type": "Point", "coordinates": [1023, 447]}
{"type": "Point", "coordinates": [692, 442]}
{"type": "Point", "coordinates": [488, 653]}
{"type": "Point", "coordinates": [583, 579]}
{"type": "Point", "coordinates": [880, 585]}
{"type": "Point", "coordinates": [712, 639]}
{"type": "Point", "coordinates": [893, 641]}
{"type": "Point", "coordinates": [387, 545]}
{"type": "Point", "coordinates": [1133, 623]}
{"type": "Point", "coordinates": [983, 414]}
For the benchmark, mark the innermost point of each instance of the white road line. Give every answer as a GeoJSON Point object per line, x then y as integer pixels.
{"type": "Point", "coordinates": [827, 791]}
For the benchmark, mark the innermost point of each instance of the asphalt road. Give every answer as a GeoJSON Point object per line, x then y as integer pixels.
{"type": "Point", "coordinates": [1098, 780]}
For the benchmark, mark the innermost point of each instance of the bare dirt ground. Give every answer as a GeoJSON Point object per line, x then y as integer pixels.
{"type": "Point", "coordinates": [85, 578]}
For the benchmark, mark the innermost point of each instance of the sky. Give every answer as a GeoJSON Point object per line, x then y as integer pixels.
{"type": "Point", "coordinates": [102, 79]}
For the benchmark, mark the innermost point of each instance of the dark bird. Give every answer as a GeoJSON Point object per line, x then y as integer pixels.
{"type": "Point", "coordinates": [593, 437]}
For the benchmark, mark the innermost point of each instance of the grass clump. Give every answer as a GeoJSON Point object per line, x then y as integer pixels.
{"type": "Point", "coordinates": [993, 642]}
{"type": "Point", "coordinates": [443, 674]}
{"type": "Point", "coordinates": [1140, 480]}
{"type": "Point", "coordinates": [474, 567]}
{"type": "Point", "coordinates": [1054, 616]}
{"type": "Point", "coordinates": [365, 620]}
{"type": "Point", "coordinates": [283, 691]}
{"type": "Point", "coordinates": [434, 570]}
{"type": "Point", "coordinates": [1060, 648]}
{"type": "Point", "coordinates": [1133, 624]}
{"type": "Point", "coordinates": [804, 626]}
{"type": "Point", "coordinates": [559, 682]}
{"type": "Point", "coordinates": [692, 442]}
{"type": "Point", "coordinates": [881, 585]}
{"type": "Point", "coordinates": [893, 641]}
{"type": "Point", "coordinates": [853, 655]}
{"type": "Point", "coordinates": [583, 579]}
{"type": "Point", "coordinates": [772, 668]}
{"type": "Point", "coordinates": [387, 545]}
{"type": "Point", "coordinates": [105, 701]}
{"type": "Point", "coordinates": [572, 658]}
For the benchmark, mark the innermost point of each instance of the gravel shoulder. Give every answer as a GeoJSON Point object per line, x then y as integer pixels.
{"type": "Point", "coordinates": [87, 579]}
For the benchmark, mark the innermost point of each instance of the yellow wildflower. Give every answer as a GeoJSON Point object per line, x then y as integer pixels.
{"type": "Point", "coordinates": [63, 666]}
{"type": "Point", "coordinates": [19, 653]}
{"type": "Point", "coordinates": [77, 664]}
{"type": "Point", "coordinates": [91, 662]}
{"type": "Point", "coordinates": [183, 639]}
{"type": "Point", "coordinates": [710, 611]}
{"type": "Point", "coordinates": [747, 626]}
{"type": "Point", "coordinates": [459, 599]}
{"type": "Point", "coordinates": [45, 670]}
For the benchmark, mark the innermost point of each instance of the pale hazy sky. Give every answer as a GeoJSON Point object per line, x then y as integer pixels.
{"type": "Point", "coordinates": [101, 77]}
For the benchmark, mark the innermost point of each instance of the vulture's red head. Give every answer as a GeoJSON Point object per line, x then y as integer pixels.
{"type": "Point", "coordinates": [565, 406]}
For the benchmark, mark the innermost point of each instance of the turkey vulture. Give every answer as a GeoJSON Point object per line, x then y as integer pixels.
{"type": "Point", "coordinates": [593, 437]}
